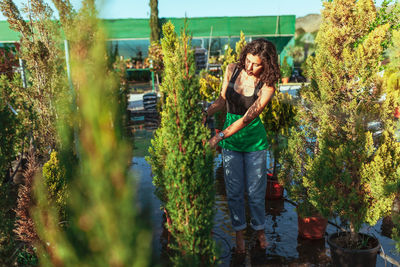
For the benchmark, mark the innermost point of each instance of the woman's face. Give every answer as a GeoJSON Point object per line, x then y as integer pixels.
{"type": "Point", "coordinates": [253, 65]}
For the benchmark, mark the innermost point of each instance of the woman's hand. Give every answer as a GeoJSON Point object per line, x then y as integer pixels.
{"type": "Point", "coordinates": [214, 141]}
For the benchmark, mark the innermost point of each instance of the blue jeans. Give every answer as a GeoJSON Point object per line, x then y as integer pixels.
{"type": "Point", "coordinates": [246, 170]}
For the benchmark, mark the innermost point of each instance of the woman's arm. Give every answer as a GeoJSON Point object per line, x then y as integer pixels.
{"type": "Point", "coordinates": [266, 94]}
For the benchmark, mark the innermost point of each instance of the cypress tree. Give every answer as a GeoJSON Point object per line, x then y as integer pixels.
{"type": "Point", "coordinates": [103, 227]}
{"type": "Point", "coordinates": [392, 87]}
{"type": "Point", "coordinates": [181, 159]}
{"type": "Point", "coordinates": [154, 22]}
{"type": "Point", "coordinates": [43, 55]}
{"type": "Point", "coordinates": [344, 166]}
{"type": "Point", "coordinates": [240, 45]}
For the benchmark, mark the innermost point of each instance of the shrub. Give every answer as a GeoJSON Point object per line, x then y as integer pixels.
{"type": "Point", "coordinates": [181, 160]}
{"type": "Point", "coordinates": [286, 69]}
{"type": "Point", "coordinates": [103, 227]}
{"type": "Point", "coordinates": [54, 178]}
{"type": "Point", "coordinates": [344, 165]}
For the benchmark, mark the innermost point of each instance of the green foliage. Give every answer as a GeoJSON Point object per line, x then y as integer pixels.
{"type": "Point", "coordinates": [240, 45]}
{"type": "Point", "coordinates": [277, 118]}
{"type": "Point", "coordinates": [229, 57]}
{"type": "Point", "coordinates": [8, 242]}
{"type": "Point", "coordinates": [156, 56]}
{"type": "Point", "coordinates": [343, 166]}
{"type": "Point", "coordinates": [304, 45]}
{"type": "Point", "coordinates": [54, 178]}
{"type": "Point", "coordinates": [103, 227]}
{"type": "Point", "coordinates": [12, 125]}
{"type": "Point", "coordinates": [43, 54]}
{"type": "Point", "coordinates": [181, 160]}
{"type": "Point", "coordinates": [392, 88]}
{"type": "Point", "coordinates": [297, 53]}
{"type": "Point", "coordinates": [210, 86]}
{"type": "Point", "coordinates": [25, 258]}
{"type": "Point", "coordinates": [8, 129]}
{"type": "Point", "coordinates": [286, 69]}
{"type": "Point", "coordinates": [8, 61]}
{"type": "Point", "coordinates": [387, 15]}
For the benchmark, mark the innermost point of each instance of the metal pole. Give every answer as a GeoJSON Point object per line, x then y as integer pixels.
{"type": "Point", "coordinates": [22, 69]}
{"type": "Point", "coordinates": [277, 25]}
{"type": "Point", "coordinates": [152, 81]}
{"type": "Point", "coordinates": [68, 66]}
{"type": "Point", "coordinates": [209, 48]}
{"type": "Point", "coordinates": [71, 87]}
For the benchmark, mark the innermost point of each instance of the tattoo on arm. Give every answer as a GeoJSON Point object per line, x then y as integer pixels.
{"type": "Point", "coordinates": [252, 112]}
{"type": "Point", "coordinates": [218, 105]}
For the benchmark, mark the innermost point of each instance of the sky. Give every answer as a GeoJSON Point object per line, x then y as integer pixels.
{"type": "Point", "coordinates": [204, 8]}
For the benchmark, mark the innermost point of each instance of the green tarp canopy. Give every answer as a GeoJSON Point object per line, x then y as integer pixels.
{"type": "Point", "coordinates": [278, 29]}
{"type": "Point", "coordinates": [128, 29]}
{"type": "Point", "coordinates": [6, 34]}
{"type": "Point", "coordinates": [131, 29]}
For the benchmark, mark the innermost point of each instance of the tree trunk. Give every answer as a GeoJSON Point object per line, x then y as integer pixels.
{"type": "Point", "coordinates": [353, 234]}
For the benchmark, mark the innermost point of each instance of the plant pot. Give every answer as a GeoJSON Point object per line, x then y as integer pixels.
{"type": "Point", "coordinates": [285, 80]}
{"type": "Point", "coordinates": [312, 227]}
{"type": "Point", "coordinates": [274, 207]}
{"type": "Point", "coordinates": [396, 113]}
{"type": "Point", "coordinates": [274, 189]}
{"type": "Point", "coordinates": [353, 257]}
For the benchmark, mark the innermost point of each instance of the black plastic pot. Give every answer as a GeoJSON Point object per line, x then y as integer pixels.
{"type": "Point", "coordinates": [353, 257]}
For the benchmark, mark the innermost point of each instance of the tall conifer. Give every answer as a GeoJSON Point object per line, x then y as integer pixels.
{"type": "Point", "coordinates": [181, 158]}
{"type": "Point", "coordinates": [103, 227]}
{"type": "Point", "coordinates": [392, 88]}
{"type": "Point", "coordinates": [154, 22]}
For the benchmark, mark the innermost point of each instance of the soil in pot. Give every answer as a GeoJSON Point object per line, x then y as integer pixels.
{"type": "Point", "coordinates": [360, 254]}
{"type": "Point", "coordinates": [274, 189]}
{"type": "Point", "coordinates": [313, 227]}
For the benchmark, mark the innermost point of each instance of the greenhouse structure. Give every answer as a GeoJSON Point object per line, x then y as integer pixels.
{"type": "Point", "coordinates": [210, 33]}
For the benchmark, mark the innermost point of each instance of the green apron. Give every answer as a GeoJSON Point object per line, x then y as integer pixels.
{"type": "Point", "coordinates": [251, 138]}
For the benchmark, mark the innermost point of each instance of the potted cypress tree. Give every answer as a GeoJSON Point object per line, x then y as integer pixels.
{"type": "Point", "coordinates": [348, 170]}
{"type": "Point", "coordinates": [301, 143]}
{"type": "Point", "coordinates": [181, 159]}
{"type": "Point", "coordinates": [392, 87]}
{"type": "Point", "coordinates": [286, 71]}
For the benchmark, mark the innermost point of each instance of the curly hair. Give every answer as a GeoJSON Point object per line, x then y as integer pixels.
{"type": "Point", "coordinates": [267, 52]}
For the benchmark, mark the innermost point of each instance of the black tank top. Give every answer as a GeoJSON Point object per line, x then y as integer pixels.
{"type": "Point", "coordinates": [237, 103]}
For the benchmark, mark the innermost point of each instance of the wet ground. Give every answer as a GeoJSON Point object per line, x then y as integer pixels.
{"type": "Point", "coordinates": [285, 248]}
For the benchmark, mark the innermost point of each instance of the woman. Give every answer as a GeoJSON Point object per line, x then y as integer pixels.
{"type": "Point", "coordinates": [247, 88]}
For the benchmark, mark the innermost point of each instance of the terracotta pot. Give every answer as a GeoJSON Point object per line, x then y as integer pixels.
{"type": "Point", "coordinates": [274, 189]}
{"type": "Point", "coordinates": [312, 227]}
{"type": "Point", "coordinates": [285, 80]}
{"type": "Point", "coordinates": [396, 113]}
